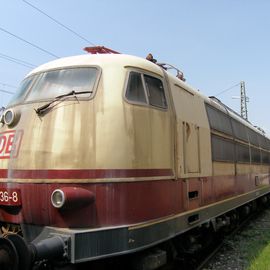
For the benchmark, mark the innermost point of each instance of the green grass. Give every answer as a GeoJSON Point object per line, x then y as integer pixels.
{"type": "Point", "coordinates": [257, 249]}
{"type": "Point", "coordinates": [251, 247]}
{"type": "Point", "coordinates": [262, 260]}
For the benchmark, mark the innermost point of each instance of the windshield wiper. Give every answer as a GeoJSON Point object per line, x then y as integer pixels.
{"type": "Point", "coordinates": [2, 109]}
{"type": "Point", "coordinates": [43, 108]}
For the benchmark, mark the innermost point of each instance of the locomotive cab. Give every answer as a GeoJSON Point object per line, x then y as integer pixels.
{"type": "Point", "coordinates": [78, 140]}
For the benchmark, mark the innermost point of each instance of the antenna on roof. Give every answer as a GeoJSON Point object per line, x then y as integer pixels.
{"type": "Point", "coordinates": [100, 50]}
{"type": "Point", "coordinates": [179, 73]}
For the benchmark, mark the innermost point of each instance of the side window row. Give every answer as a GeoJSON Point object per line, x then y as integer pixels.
{"type": "Point", "coordinates": [227, 150]}
{"type": "Point", "coordinates": [221, 122]}
{"type": "Point", "coordinates": [145, 89]}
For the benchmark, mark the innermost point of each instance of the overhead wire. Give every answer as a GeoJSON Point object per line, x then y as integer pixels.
{"type": "Point", "coordinates": [17, 61]}
{"type": "Point", "coordinates": [28, 42]}
{"type": "Point", "coordinates": [58, 22]}
{"type": "Point", "coordinates": [7, 92]}
{"type": "Point", "coordinates": [8, 85]}
{"type": "Point", "coordinates": [226, 90]}
{"type": "Point", "coordinates": [27, 64]}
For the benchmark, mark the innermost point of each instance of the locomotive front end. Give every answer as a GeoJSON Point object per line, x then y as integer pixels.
{"type": "Point", "coordinates": [46, 144]}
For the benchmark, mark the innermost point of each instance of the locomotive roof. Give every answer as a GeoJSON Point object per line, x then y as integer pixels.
{"type": "Point", "coordinates": [130, 61]}
{"type": "Point", "coordinates": [99, 60]}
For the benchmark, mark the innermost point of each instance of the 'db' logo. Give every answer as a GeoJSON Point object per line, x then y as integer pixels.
{"type": "Point", "coordinates": [10, 142]}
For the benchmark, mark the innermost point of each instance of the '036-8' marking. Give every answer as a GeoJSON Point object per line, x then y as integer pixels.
{"type": "Point", "coordinates": [10, 196]}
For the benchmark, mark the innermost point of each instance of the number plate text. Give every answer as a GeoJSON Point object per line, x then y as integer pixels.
{"type": "Point", "coordinates": [10, 196]}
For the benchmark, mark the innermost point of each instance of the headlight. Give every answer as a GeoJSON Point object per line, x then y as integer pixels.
{"type": "Point", "coordinates": [58, 198]}
{"type": "Point", "coordinates": [71, 197]}
{"type": "Point", "coordinates": [11, 117]}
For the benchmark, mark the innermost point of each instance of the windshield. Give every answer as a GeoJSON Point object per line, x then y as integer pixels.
{"type": "Point", "coordinates": [21, 92]}
{"type": "Point", "coordinates": [49, 84]}
{"type": "Point", "coordinates": [59, 82]}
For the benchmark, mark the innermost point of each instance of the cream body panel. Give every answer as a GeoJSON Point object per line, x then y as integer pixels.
{"type": "Point", "coordinates": [223, 168]}
{"type": "Point", "coordinates": [193, 134]}
{"type": "Point", "coordinates": [104, 132]}
{"type": "Point", "coordinates": [128, 135]}
{"type": "Point", "coordinates": [242, 168]}
{"type": "Point", "coordinates": [56, 140]}
{"type": "Point", "coordinates": [151, 136]}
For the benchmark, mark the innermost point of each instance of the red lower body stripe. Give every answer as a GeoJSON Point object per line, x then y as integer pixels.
{"type": "Point", "coordinates": [84, 174]}
{"type": "Point", "coordinates": [118, 203]}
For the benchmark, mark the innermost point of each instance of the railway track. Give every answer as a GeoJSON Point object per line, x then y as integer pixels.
{"type": "Point", "coordinates": [217, 249]}
{"type": "Point", "coordinates": [218, 258]}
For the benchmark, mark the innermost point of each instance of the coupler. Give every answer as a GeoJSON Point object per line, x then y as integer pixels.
{"type": "Point", "coordinates": [16, 254]}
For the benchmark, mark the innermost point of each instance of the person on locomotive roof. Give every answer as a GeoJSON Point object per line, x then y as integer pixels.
{"type": "Point", "coordinates": [150, 58]}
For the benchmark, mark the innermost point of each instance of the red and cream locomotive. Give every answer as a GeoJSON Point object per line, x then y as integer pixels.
{"type": "Point", "coordinates": [108, 154]}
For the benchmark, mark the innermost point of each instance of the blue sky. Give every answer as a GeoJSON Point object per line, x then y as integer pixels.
{"type": "Point", "coordinates": [216, 43]}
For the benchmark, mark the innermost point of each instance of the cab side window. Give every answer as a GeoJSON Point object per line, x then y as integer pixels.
{"type": "Point", "coordinates": [155, 91]}
{"type": "Point", "coordinates": [146, 89]}
{"type": "Point", "coordinates": [135, 90]}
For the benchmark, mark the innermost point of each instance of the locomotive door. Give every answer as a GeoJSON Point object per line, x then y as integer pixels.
{"type": "Point", "coordinates": [191, 148]}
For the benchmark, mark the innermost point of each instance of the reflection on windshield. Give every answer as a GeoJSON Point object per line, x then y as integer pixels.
{"type": "Point", "coordinates": [58, 82]}
{"type": "Point", "coordinates": [48, 85]}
